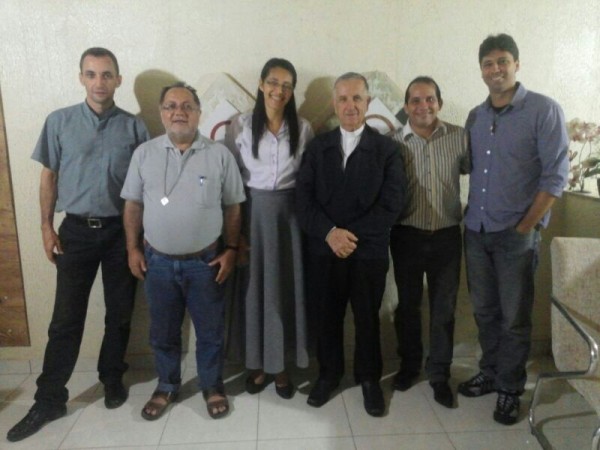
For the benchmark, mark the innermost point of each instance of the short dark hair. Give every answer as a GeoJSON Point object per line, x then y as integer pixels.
{"type": "Point", "coordinates": [351, 76]}
{"type": "Point", "coordinates": [500, 41]}
{"type": "Point", "coordinates": [179, 84]}
{"type": "Point", "coordinates": [426, 80]}
{"type": "Point", "coordinates": [98, 52]}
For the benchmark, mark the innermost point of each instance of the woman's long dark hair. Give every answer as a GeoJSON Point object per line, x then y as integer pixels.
{"type": "Point", "coordinates": [259, 114]}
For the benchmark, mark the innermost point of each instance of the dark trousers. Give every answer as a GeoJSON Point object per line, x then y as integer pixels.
{"type": "Point", "coordinates": [436, 255]}
{"type": "Point", "coordinates": [85, 249]}
{"type": "Point", "coordinates": [334, 282]}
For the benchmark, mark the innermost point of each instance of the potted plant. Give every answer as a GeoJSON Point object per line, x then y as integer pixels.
{"type": "Point", "coordinates": [585, 163]}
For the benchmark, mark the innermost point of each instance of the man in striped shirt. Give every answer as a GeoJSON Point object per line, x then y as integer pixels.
{"type": "Point", "coordinates": [427, 238]}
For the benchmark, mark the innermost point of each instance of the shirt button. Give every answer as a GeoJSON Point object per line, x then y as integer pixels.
{"type": "Point", "coordinates": [483, 190]}
{"type": "Point", "coordinates": [488, 152]}
{"type": "Point", "coordinates": [481, 207]}
{"type": "Point", "coordinates": [485, 170]}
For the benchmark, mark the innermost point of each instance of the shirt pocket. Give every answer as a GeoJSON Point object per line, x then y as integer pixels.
{"type": "Point", "coordinates": [208, 191]}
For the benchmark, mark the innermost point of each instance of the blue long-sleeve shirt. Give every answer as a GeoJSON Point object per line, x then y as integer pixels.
{"type": "Point", "coordinates": [515, 153]}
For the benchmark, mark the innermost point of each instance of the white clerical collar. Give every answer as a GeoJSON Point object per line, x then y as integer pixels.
{"type": "Point", "coordinates": [352, 134]}
{"type": "Point", "coordinates": [350, 141]}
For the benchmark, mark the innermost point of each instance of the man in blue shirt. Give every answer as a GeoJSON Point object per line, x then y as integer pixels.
{"type": "Point", "coordinates": [85, 151]}
{"type": "Point", "coordinates": [518, 142]}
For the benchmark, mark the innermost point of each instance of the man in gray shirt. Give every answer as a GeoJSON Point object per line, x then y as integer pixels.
{"type": "Point", "coordinates": [186, 191]}
{"type": "Point", "coordinates": [426, 239]}
{"type": "Point", "coordinates": [85, 151]}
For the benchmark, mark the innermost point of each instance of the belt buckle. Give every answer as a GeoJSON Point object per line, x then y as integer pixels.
{"type": "Point", "coordinates": [94, 223]}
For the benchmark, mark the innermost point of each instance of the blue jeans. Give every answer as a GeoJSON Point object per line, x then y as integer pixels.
{"type": "Point", "coordinates": [500, 270]}
{"type": "Point", "coordinates": [172, 285]}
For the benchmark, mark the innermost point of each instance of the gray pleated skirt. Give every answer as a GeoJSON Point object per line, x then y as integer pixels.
{"type": "Point", "coordinates": [275, 300]}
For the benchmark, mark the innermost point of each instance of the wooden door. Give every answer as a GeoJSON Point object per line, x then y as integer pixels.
{"type": "Point", "coordinates": [14, 330]}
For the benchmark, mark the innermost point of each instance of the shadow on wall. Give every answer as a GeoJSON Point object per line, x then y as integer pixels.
{"type": "Point", "coordinates": [147, 87]}
{"type": "Point", "coordinates": [318, 107]}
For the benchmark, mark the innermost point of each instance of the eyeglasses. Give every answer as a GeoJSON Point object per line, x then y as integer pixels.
{"type": "Point", "coordinates": [285, 87]}
{"type": "Point", "coordinates": [184, 107]}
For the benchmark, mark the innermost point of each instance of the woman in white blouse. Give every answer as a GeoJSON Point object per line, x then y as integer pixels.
{"type": "Point", "coordinates": [268, 143]}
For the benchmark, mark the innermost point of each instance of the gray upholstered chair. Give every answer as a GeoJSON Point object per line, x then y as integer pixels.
{"type": "Point", "coordinates": [575, 323]}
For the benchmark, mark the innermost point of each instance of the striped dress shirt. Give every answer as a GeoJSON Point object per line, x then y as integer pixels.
{"type": "Point", "coordinates": [433, 168]}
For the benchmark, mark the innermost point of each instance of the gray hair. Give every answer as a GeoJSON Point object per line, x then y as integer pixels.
{"type": "Point", "coordinates": [180, 84]}
{"type": "Point", "coordinates": [351, 76]}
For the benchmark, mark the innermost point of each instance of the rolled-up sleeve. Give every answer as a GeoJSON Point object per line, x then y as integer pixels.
{"type": "Point", "coordinates": [553, 145]}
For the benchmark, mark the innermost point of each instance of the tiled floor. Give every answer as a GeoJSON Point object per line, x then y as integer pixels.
{"type": "Point", "coordinates": [264, 422]}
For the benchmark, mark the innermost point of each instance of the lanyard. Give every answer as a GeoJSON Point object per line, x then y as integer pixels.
{"type": "Point", "coordinates": [165, 200]}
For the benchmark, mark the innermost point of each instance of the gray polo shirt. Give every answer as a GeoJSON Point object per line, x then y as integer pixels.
{"type": "Point", "coordinates": [196, 183]}
{"type": "Point", "coordinates": [91, 155]}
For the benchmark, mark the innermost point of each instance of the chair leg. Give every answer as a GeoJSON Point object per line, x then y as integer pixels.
{"type": "Point", "coordinates": [533, 426]}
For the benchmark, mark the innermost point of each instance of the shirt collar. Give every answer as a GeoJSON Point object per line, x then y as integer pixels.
{"type": "Point", "coordinates": [517, 101]}
{"type": "Point", "coordinates": [407, 131]}
{"type": "Point", "coordinates": [353, 134]}
{"type": "Point", "coordinates": [198, 144]}
{"type": "Point", "coordinates": [105, 115]}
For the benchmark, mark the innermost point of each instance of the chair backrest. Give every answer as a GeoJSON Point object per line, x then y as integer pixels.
{"type": "Point", "coordinates": [576, 284]}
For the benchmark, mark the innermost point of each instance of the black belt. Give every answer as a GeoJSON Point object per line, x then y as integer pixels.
{"type": "Point", "coordinates": [195, 255]}
{"type": "Point", "coordinates": [94, 222]}
{"type": "Point", "coordinates": [422, 232]}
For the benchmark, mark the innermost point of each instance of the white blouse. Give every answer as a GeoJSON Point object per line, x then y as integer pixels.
{"type": "Point", "coordinates": [274, 169]}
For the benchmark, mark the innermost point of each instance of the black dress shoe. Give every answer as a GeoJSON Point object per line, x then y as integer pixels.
{"type": "Point", "coordinates": [115, 395]}
{"type": "Point", "coordinates": [403, 380]}
{"type": "Point", "coordinates": [320, 393]}
{"type": "Point", "coordinates": [442, 393]}
{"type": "Point", "coordinates": [35, 419]}
{"type": "Point", "coordinates": [374, 404]}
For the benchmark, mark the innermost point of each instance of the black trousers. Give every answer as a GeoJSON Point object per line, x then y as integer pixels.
{"type": "Point", "coordinates": [334, 282]}
{"type": "Point", "coordinates": [85, 249]}
{"type": "Point", "coordinates": [436, 255]}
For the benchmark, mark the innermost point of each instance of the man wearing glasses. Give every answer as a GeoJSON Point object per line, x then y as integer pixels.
{"type": "Point", "coordinates": [185, 190]}
{"type": "Point", "coordinates": [85, 150]}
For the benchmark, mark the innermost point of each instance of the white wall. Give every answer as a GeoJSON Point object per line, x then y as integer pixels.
{"type": "Point", "coordinates": [41, 42]}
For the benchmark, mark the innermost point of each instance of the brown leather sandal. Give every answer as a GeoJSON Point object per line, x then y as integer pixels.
{"type": "Point", "coordinates": [214, 407]}
{"type": "Point", "coordinates": [153, 410]}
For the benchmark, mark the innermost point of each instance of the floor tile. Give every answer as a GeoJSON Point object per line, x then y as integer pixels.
{"type": "Point", "coordinates": [10, 383]}
{"type": "Point", "coordinates": [407, 413]}
{"type": "Point", "coordinates": [495, 440]}
{"type": "Point", "coordinates": [342, 443]}
{"type": "Point", "coordinates": [569, 439]}
{"type": "Point", "coordinates": [294, 418]}
{"type": "Point", "coordinates": [239, 445]}
{"type": "Point", "coordinates": [189, 421]}
{"type": "Point", "coordinates": [123, 426]}
{"type": "Point", "coordinates": [135, 447]}
{"type": "Point", "coordinates": [438, 441]}
{"type": "Point", "coordinates": [561, 406]}
{"type": "Point", "coordinates": [12, 367]}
